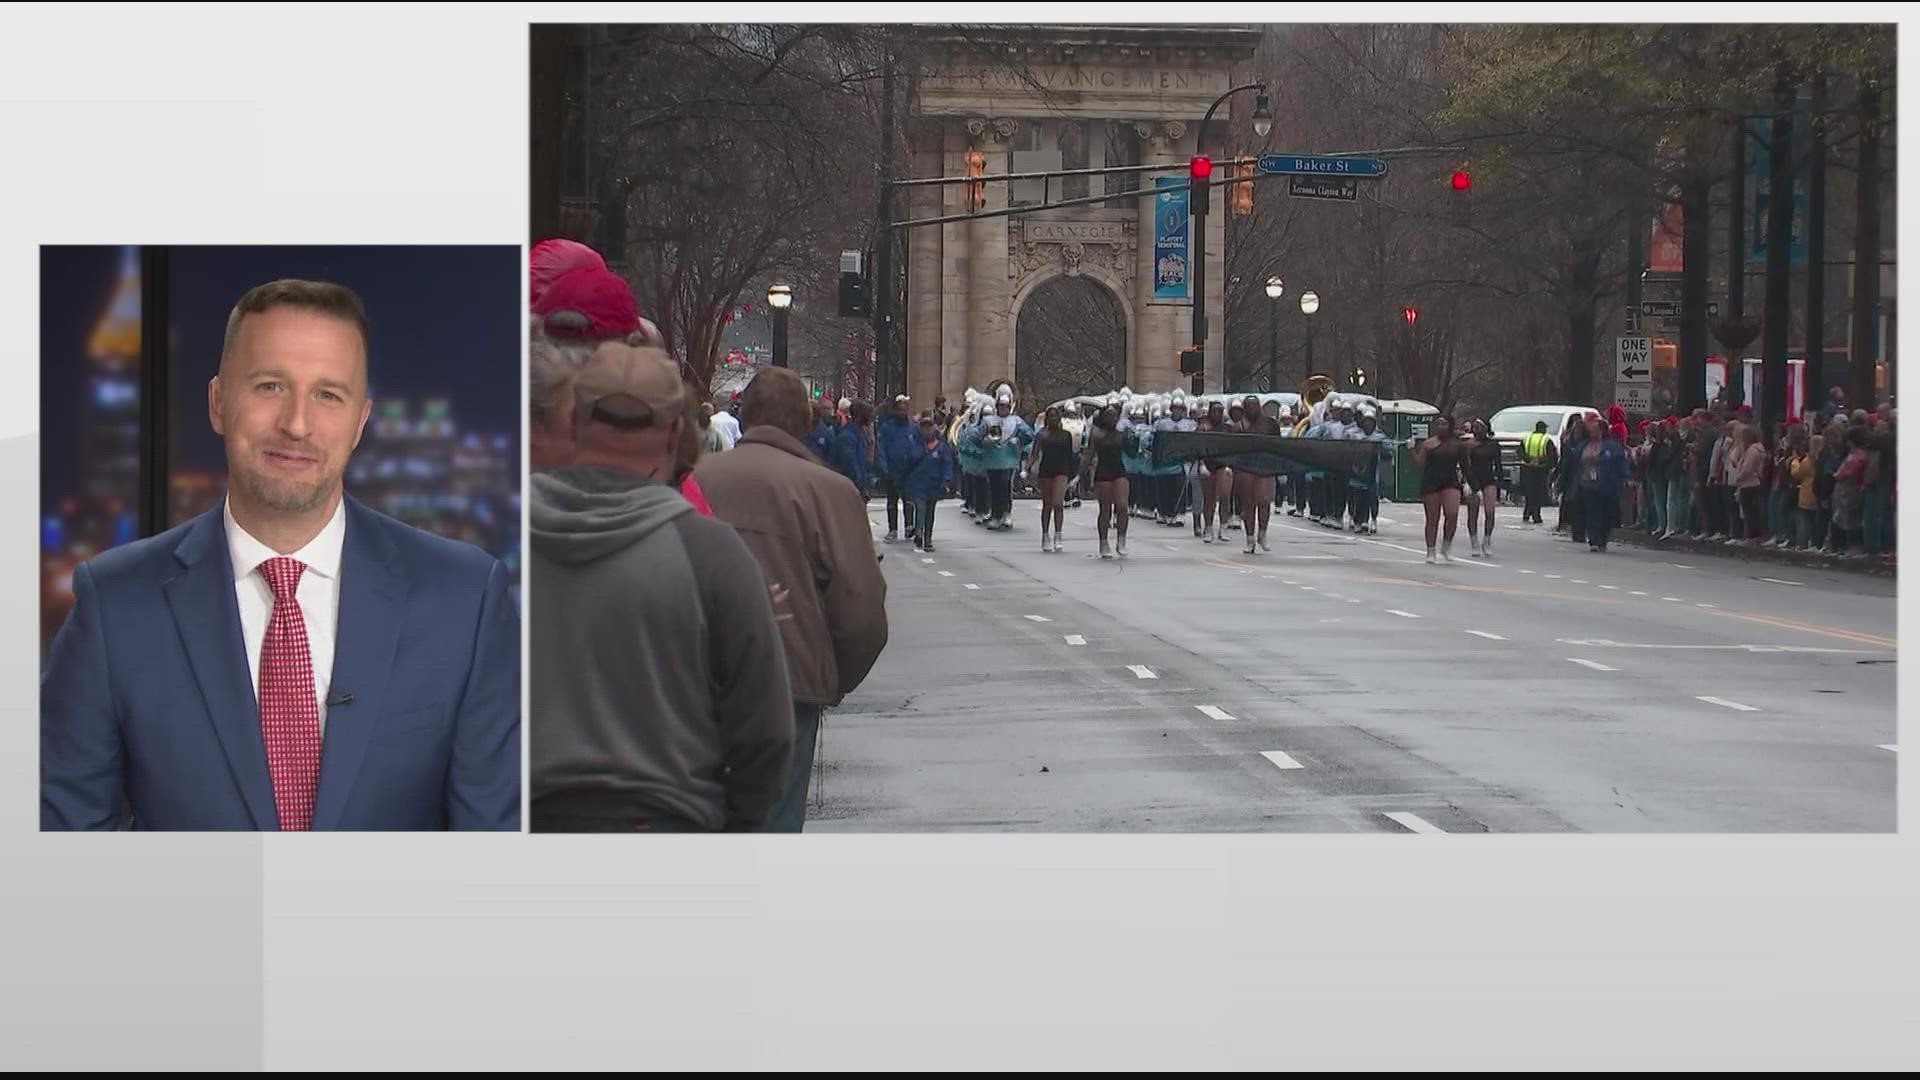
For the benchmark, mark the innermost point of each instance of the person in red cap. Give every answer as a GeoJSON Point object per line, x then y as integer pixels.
{"type": "Point", "coordinates": [592, 304]}
{"type": "Point", "coordinates": [551, 259]}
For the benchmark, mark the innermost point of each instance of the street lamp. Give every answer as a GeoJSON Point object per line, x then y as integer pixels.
{"type": "Point", "coordinates": [1359, 378]}
{"type": "Point", "coordinates": [1275, 289]}
{"type": "Point", "coordinates": [1199, 195]}
{"type": "Point", "coordinates": [779, 298]}
{"type": "Point", "coordinates": [1309, 303]}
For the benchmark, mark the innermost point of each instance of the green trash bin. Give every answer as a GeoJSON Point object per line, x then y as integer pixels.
{"type": "Point", "coordinates": [1403, 420]}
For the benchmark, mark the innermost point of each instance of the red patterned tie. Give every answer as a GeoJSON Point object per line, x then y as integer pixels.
{"type": "Point", "coordinates": [289, 713]}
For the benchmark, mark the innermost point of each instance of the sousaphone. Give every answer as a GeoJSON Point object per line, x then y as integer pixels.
{"type": "Point", "coordinates": [1312, 394]}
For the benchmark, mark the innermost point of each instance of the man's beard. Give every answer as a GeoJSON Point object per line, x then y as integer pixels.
{"type": "Point", "coordinates": [286, 496]}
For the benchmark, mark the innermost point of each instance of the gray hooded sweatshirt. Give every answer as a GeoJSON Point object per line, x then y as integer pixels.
{"type": "Point", "coordinates": [658, 680]}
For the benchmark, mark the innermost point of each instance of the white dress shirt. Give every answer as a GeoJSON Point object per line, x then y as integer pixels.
{"type": "Point", "coordinates": [319, 596]}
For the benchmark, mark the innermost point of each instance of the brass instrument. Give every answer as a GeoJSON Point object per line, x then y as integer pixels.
{"type": "Point", "coordinates": [1313, 393]}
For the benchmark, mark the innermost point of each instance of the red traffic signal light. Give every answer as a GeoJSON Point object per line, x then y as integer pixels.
{"type": "Point", "coordinates": [1412, 314]}
{"type": "Point", "coordinates": [1201, 168]}
{"type": "Point", "coordinates": [1461, 181]}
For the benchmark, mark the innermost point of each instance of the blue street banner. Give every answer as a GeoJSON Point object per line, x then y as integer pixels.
{"type": "Point", "coordinates": [1170, 238]}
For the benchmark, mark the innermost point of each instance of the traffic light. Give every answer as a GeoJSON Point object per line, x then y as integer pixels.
{"type": "Point", "coordinates": [1191, 362]}
{"type": "Point", "coordinates": [1412, 315]}
{"type": "Point", "coordinates": [1200, 168]}
{"type": "Point", "coordinates": [853, 286]}
{"type": "Point", "coordinates": [1242, 200]}
{"type": "Point", "coordinates": [1462, 184]}
{"type": "Point", "coordinates": [976, 189]}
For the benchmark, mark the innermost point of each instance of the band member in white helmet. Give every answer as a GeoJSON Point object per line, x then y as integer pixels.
{"type": "Point", "coordinates": [1171, 481]}
{"type": "Point", "coordinates": [1001, 439]}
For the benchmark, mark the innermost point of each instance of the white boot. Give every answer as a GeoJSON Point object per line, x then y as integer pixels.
{"type": "Point", "coordinates": [1473, 541]}
{"type": "Point", "coordinates": [1263, 542]}
{"type": "Point", "coordinates": [1104, 553]}
{"type": "Point", "coordinates": [1486, 546]}
{"type": "Point", "coordinates": [1446, 551]}
{"type": "Point", "coordinates": [1046, 541]}
{"type": "Point", "coordinates": [1120, 545]}
{"type": "Point", "coordinates": [1430, 559]}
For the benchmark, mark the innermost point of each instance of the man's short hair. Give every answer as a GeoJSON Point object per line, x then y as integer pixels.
{"type": "Point", "coordinates": [319, 297]}
{"type": "Point", "coordinates": [777, 397]}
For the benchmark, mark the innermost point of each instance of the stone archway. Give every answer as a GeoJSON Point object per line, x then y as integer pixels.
{"type": "Point", "coordinates": [1071, 102]}
{"type": "Point", "coordinates": [1071, 334]}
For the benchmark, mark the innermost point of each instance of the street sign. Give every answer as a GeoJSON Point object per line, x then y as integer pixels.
{"type": "Point", "coordinates": [1633, 319]}
{"type": "Point", "coordinates": [1308, 165]}
{"type": "Point", "coordinates": [1634, 397]}
{"type": "Point", "coordinates": [1670, 309]}
{"type": "Point", "coordinates": [1335, 188]}
{"type": "Point", "coordinates": [1633, 361]}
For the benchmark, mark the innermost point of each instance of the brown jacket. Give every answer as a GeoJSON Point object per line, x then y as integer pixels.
{"type": "Point", "coordinates": [808, 527]}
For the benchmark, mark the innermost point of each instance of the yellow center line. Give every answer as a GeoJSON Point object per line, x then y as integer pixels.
{"type": "Point", "coordinates": [1778, 622]}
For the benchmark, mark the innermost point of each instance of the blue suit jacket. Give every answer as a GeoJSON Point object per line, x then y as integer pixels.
{"type": "Point", "coordinates": [148, 715]}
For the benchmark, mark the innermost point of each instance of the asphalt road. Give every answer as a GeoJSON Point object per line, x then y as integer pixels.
{"type": "Point", "coordinates": [1339, 684]}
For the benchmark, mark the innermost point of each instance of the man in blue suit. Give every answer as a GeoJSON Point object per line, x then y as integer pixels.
{"type": "Point", "coordinates": [291, 660]}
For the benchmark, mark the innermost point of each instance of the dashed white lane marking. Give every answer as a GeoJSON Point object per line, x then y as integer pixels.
{"type": "Point", "coordinates": [1578, 581]}
{"type": "Point", "coordinates": [1038, 618]}
{"type": "Point", "coordinates": [1382, 543]}
{"type": "Point", "coordinates": [1673, 599]}
{"type": "Point", "coordinates": [1402, 614]}
{"type": "Point", "coordinates": [929, 562]}
{"type": "Point", "coordinates": [1214, 712]}
{"type": "Point", "coordinates": [1526, 571]}
{"type": "Point", "coordinates": [1637, 592]}
{"type": "Point", "coordinates": [1308, 588]}
{"type": "Point", "coordinates": [1141, 671]}
{"type": "Point", "coordinates": [946, 573]}
{"type": "Point", "coordinates": [1777, 581]}
{"type": "Point", "coordinates": [1591, 664]}
{"type": "Point", "coordinates": [1076, 639]}
{"type": "Point", "coordinates": [1281, 759]}
{"type": "Point", "coordinates": [973, 586]}
{"type": "Point", "coordinates": [1723, 702]}
{"type": "Point", "coordinates": [1678, 566]}
{"type": "Point", "coordinates": [1553, 577]}
{"type": "Point", "coordinates": [1289, 583]}
{"type": "Point", "coordinates": [1889, 747]}
{"type": "Point", "coordinates": [1610, 586]}
{"type": "Point", "coordinates": [1414, 823]}
{"type": "Point", "coordinates": [1169, 547]}
{"type": "Point", "coordinates": [1351, 600]}
{"type": "Point", "coordinates": [1707, 605]}
{"type": "Point", "coordinates": [1484, 634]}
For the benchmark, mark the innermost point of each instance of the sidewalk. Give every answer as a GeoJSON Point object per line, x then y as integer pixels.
{"type": "Point", "coordinates": [1878, 565]}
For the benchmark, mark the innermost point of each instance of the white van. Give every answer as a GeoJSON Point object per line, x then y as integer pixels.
{"type": "Point", "coordinates": [1514, 423]}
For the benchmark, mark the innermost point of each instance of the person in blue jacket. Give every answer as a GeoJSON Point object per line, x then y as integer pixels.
{"type": "Point", "coordinates": [893, 455]}
{"type": "Point", "coordinates": [1599, 470]}
{"type": "Point", "coordinates": [826, 425]}
{"type": "Point", "coordinates": [850, 451]}
{"type": "Point", "coordinates": [1003, 439]}
{"type": "Point", "coordinates": [927, 478]}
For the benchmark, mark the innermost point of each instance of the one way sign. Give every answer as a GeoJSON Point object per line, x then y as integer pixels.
{"type": "Point", "coordinates": [1634, 360]}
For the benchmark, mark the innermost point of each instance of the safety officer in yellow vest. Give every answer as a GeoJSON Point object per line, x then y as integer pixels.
{"type": "Point", "coordinates": [1537, 458]}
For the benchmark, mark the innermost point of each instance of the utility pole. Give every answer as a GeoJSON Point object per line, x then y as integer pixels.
{"type": "Point", "coordinates": [885, 375]}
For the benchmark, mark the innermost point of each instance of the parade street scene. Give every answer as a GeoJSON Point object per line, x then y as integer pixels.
{"type": "Point", "coordinates": [1128, 428]}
